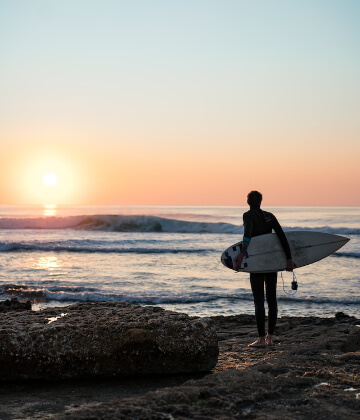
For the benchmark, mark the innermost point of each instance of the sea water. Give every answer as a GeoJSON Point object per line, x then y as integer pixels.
{"type": "Point", "coordinates": [167, 257]}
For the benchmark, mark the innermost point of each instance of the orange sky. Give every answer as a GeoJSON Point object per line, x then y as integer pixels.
{"type": "Point", "coordinates": [179, 174]}
{"type": "Point", "coordinates": [127, 108]}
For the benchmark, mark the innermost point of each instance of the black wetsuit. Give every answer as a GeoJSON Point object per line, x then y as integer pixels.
{"type": "Point", "coordinates": [258, 222]}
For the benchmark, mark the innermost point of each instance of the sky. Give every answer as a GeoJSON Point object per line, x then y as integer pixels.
{"type": "Point", "coordinates": [179, 102]}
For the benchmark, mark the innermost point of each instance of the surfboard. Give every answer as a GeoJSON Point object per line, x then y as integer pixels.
{"type": "Point", "coordinates": [265, 253]}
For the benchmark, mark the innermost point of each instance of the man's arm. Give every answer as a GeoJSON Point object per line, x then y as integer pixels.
{"type": "Point", "coordinates": [245, 242]}
{"type": "Point", "coordinates": [290, 265]}
{"type": "Point", "coordinates": [248, 228]}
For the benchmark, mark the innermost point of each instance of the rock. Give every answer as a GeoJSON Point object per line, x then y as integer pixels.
{"type": "Point", "coordinates": [104, 340]}
{"type": "Point", "coordinates": [14, 305]}
{"type": "Point", "coordinates": [341, 315]}
{"type": "Point", "coordinates": [312, 373]}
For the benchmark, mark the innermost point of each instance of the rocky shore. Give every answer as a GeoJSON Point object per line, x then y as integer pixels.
{"type": "Point", "coordinates": [312, 371]}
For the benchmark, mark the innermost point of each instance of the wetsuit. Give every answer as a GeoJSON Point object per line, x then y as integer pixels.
{"type": "Point", "coordinates": [258, 222]}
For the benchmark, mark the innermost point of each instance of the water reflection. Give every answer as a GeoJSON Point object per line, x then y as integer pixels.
{"type": "Point", "coordinates": [55, 318]}
{"type": "Point", "coordinates": [50, 210]}
{"type": "Point", "coordinates": [48, 263]}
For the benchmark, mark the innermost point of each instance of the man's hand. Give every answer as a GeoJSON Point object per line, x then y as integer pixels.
{"type": "Point", "coordinates": [238, 261]}
{"type": "Point", "coordinates": [290, 265]}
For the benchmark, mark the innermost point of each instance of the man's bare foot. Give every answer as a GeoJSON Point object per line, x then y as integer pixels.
{"type": "Point", "coordinates": [269, 340]}
{"type": "Point", "coordinates": [259, 343]}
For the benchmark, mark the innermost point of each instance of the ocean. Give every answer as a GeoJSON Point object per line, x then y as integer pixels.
{"type": "Point", "coordinates": [166, 256]}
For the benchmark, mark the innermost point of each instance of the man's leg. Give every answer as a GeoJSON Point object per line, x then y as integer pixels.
{"type": "Point", "coordinates": [270, 283]}
{"type": "Point", "coordinates": [257, 287]}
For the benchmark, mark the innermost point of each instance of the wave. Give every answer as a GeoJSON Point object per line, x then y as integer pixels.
{"type": "Point", "coordinates": [121, 223]}
{"type": "Point", "coordinates": [80, 294]}
{"type": "Point", "coordinates": [318, 300]}
{"type": "Point", "coordinates": [142, 223]}
{"type": "Point", "coordinates": [327, 229]}
{"type": "Point", "coordinates": [83, 294]}
{"type": "Point", "coordinates": [92, 247]}
{"type": "Point", "coordinates": [88, 247]}
{"type": "Point", "coordinates": [346, 255]}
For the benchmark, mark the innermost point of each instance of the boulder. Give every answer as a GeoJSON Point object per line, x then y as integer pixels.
{"type": "Point", "coordinates": [104, 340]}
{"type": "Point", "coordinates": [14, 305]}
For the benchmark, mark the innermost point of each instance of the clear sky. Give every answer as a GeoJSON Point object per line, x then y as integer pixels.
{"type": "Point", "coordinates": [180, 102]}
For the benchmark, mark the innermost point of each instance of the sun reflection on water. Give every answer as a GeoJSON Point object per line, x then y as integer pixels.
{"type": "Point", "coordinates": [50, 210]}
{"type": "Point", "coordinates": [48, 263]}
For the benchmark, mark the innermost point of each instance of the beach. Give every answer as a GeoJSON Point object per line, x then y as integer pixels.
{"type": "Point", "coordinates": [312, 370]}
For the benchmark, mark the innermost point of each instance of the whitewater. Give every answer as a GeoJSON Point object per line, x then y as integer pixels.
{"type": "Point", "coordinates": [166, 256]}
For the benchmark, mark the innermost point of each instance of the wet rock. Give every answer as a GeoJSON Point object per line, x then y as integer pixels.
{"type": "Point", "coordinates": [104, 340]}
{"type": "Point", "coordinates": [14, 305]}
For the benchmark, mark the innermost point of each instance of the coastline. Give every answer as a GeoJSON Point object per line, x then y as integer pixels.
{"type": "Point", "coordinates": [313, 360]}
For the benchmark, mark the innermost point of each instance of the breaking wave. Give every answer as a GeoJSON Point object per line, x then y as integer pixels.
{"type": "Point", "coordinates": [113, 223]}
{"type": "Point", "coordinates": [91, 247]}
{"type": "Point", "coordinates": [88, 294]}
{"type": "Point", "coordinates": [81, 294]}
{"type": "Point", "coordinates": [142, 223]}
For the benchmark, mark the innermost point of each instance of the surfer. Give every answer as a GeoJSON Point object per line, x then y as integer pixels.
{"type": "Point", "coordinates": [258, 222]}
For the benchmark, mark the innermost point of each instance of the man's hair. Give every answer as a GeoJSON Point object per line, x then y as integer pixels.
{"type": "Point", "coordinates": [254, 199]}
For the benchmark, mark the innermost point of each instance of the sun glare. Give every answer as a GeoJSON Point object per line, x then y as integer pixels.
{"type": "Point", "coordinates": [50, 179]}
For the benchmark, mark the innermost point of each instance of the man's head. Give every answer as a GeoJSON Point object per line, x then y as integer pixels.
{"type": "Point", "coordinates": [254, 199]}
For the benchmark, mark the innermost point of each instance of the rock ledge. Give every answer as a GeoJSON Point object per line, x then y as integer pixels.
{"type": "Point", "coordinates": [104, 340]}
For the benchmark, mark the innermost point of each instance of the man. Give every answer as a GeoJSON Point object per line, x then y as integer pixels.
{"type": "Point", "coordinates": [258, 222]}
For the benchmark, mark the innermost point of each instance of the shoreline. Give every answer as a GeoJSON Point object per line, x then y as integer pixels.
{"type": "Point", "coordinates": [312, 359]}
{"type": "Point", "coordinates": [283, 312]}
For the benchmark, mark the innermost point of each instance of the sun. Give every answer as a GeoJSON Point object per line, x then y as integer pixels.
{"type": "Point", "coordinates": [50, 179]}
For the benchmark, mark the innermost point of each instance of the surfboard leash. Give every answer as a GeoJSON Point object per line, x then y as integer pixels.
{"type": "Point", "coordinates": [294, 284]}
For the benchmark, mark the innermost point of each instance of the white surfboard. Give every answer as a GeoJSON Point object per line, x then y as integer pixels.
{"type": "Point", "coordinates": [265, 253]}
